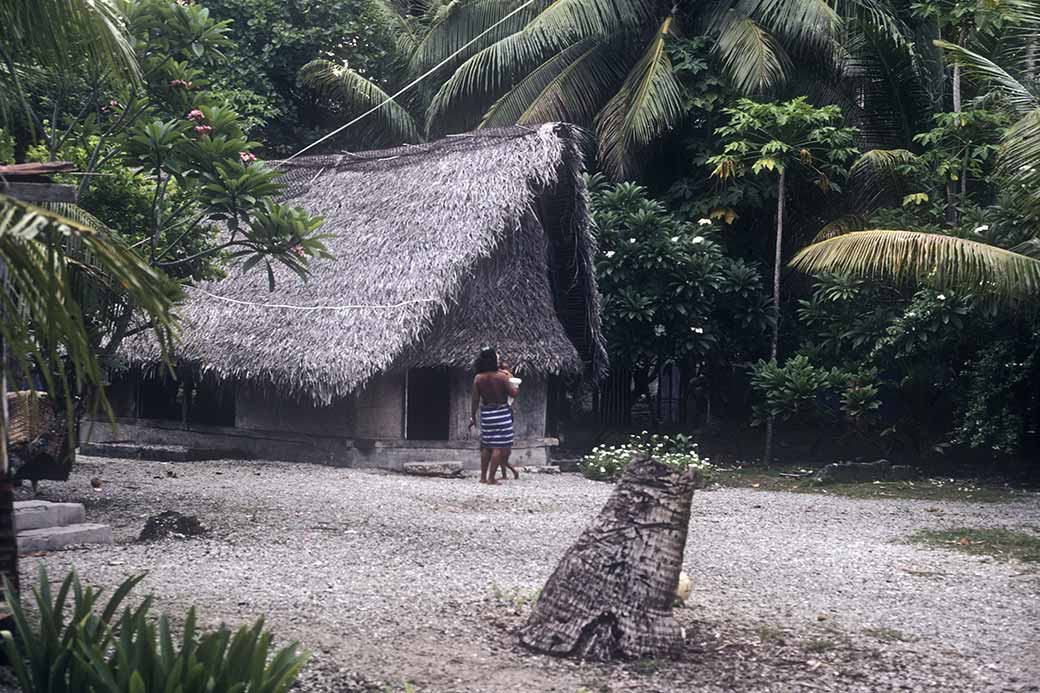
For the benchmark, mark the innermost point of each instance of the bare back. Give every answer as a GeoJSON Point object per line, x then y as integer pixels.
{"type": "Point", "coordinates": [493, 387]}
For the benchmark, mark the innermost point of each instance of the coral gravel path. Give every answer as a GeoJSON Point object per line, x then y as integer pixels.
{"type": "Point", "coordinates": [392, 579]}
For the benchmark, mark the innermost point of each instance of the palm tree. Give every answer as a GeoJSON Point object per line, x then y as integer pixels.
{"type": "Point", "coordinates": [600, 63]}
{"type": "Point", "coordinates": [49, 265]}
{"type": "Point", "coordinates": [905, 256]}
{"type": "Point", "coordinates": [56, 34]}
{"type": "Point", "coordinates": [49, 262]}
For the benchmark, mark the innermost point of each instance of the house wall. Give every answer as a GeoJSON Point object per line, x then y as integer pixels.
{"type": "Point", "coordinates": [379, 407]}
{"type": "Point", "coordinates": [265, 409]}
{"type": "Point", "coordinates": [364, 430]}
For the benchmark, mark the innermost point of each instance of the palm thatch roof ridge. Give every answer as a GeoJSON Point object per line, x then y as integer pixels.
{"type": "Point", "coordinates": [477, 239]}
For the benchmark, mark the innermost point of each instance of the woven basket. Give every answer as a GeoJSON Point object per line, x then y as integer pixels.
{"type": "Point", "coordinates": [31, 415]}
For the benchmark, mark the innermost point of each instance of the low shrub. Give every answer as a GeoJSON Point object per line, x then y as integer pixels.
{"type": "Point", "coordinates": [606, 462]}
{"type": "Point", "coordinates": [82, 648]}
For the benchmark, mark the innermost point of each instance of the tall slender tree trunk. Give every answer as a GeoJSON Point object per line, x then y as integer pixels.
{"type": "Point", "coordinates": [781, 191]}
{"type": "Point", "coordinates": [951, 194]}
{"type": "Point", "coordinates": [612, 593]}
{"type": "Point", "coordinates": [8, 536]}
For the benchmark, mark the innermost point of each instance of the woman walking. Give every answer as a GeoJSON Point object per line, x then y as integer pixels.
{"type": "Point", "coordinates": [491, 392]}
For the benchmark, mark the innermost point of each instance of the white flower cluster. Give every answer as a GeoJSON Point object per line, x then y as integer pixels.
{"type": "Point", "coordinates": [608, 461]}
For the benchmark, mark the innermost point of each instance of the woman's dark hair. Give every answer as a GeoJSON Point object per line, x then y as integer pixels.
{"type": "Point", "coordinates": [487, 360]}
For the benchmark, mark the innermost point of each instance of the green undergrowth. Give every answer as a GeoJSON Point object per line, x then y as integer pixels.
{"type": "Point", "coordinates": [937, 489]}
{"type": "Point", "coordinates": [997, 542]}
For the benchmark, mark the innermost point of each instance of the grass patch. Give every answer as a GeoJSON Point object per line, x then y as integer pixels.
{"type": "Point", "coordinates": [818, 645]}
{"type": "Point", "coordinates": [770, 633]}
{"type": "Point", "coordinates": [999, 543]}
{"type": "Point", "coordinates": [888, 635]}
{"type": "Point", "coordinates": [772, 479]}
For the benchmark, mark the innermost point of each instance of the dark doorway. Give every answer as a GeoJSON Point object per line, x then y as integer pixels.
{"type": "Point", "coordinates": [213, 403]}
{"type": "Point", "coordinates": [428, 404]}
{"type": "Point", "coordinates": [161, 398]}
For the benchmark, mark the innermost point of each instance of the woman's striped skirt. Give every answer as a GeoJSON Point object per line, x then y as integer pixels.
{"type": "Point", "coordinates": [496, 426]}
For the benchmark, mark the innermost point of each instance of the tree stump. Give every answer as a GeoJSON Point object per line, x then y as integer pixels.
{"type": "Point", "coordinates": [611, 595]}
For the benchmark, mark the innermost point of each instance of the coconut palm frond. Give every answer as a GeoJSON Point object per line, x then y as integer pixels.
{"type": "Point", "coordinates": [462, 23]}
{"type": "Point", "coordinates": [882, 161]}
{"type": "Point", "coordinates": [488, 74]}
{"type": "Point", "coordinates": [807, 24]}
{"type": "Point", "coordinates": [570, 87]}
{"type": "Point", "coordinates": [1020, 149]}
{"type": "Point", "coordinates": [751, 57]}
{"type": "Point", "coordinates": [879, 172]}
{"type": "Point", "coordinates": [1020, 95]}
{"type": "Point", "coordinates": [841, 226]}
{"type": "Point", "coordinates": [405, 35]}
{"type": "Point", "coordinates": [356, 94]}
{"type": "Point", "coordinates": [909, 257]}
{"type": "Point", "coordinates": [51, 31]}
{"type": "Point", "coordinates": [1030, 248]}
{"type": "Point", "coordinates": [43, 256]}
{"type": "Point", "coordinates": [648, 103]}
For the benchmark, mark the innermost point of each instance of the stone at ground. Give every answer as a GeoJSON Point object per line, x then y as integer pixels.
{"type": "Point", "coordinates": [441, 469]}
{"type": "Point", "coordinates": [902, 472]}
{"type": "Point", "coordinates": [853, 472]}
{"type": "Point", "coordinates": [36, 514]}
{"type": "Point", "coordinates": [45, 526]}
{"type": "Point", "coordinates": [864, 472]}
{"type": "Point", "coordinates": [542, 469]}
{"type": "Point", "coordinates": [172, 524]}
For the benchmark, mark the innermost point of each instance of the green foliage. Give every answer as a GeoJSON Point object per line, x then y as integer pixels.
{"type": "Point", "coordinates": [670, 292]}
{"type": "Point", "coordinates": [273, 40]}
{"type": "Point", "coordinates": [998, 378]}
{"type": "Point", "coordinates": [776, 137]}
{"type": "Point", "coordinates": [81, 647]}
{"type": "Point", "coordinates": [607, 462]}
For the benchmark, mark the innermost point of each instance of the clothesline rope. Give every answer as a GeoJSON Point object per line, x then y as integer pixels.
{"type": "Point", "coordinates": [411, 84]}
{"type": "Point", "coordinates": [353, 306]}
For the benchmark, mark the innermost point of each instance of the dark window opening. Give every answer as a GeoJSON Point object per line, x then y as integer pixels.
{"type": "Point", "coordinates": [212, 403]}
{"type": "Point", "coordinates": [428, 404]}
{"type": "Point", "coordinates": [161, 398]}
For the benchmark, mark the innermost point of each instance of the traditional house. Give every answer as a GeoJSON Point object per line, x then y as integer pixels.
{"type": "Point", "coordinates": [477, 239]}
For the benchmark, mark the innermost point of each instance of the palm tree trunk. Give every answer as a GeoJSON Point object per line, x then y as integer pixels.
{"type": "Point", "coordinates": [951, 200]}
{"type": "Point", "coordinates": [611, 595]}
{"type": "Point", "coordinates": [8, 537]}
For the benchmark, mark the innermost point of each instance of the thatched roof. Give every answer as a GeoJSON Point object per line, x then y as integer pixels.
{"type": "Point", "coordinates": [484, 238]}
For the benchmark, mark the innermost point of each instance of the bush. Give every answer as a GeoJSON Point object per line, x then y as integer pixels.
{"type": "Point", "coordinates": [606, 462]}
{"type": "Point", "coordinates": [90, 652]}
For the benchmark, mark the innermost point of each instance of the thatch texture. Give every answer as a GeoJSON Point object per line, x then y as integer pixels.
{"type": "Point", "coordinates": [492, 228]}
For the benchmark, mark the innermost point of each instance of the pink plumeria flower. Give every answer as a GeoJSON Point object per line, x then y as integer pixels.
{"type": "Point", "coordinates": [203, 129]}
{"type": "Point", "coordinates": [297, 250]}
{"type": "Point", "coordinates": [196, 115]}
{"type": "Point", "coordinates": [246, 157]}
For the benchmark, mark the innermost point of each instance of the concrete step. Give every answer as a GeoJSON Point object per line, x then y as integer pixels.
{"type": "Point", "coordinates": [37, 514]}
{"type": "Point", "coordinates": [57, 538]}
{"type": "Point", "coordinates": [443, 469]}
{"type": "Point", "coordinates": [158, 453]}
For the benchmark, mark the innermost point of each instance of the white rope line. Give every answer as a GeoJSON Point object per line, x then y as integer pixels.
{"type": "Point", "coordinates": [412, 83]}
{"type": "Point", "coordinates": [355, 306]}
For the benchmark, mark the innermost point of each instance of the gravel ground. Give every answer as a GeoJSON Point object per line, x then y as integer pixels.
{"type": "Point", "coordinates": [390, 579]}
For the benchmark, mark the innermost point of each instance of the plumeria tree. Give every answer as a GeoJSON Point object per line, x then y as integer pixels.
{"type": "Point", "coordinates": [169, 166]}
{"type": "Point", "coordinates": [670, 291]}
